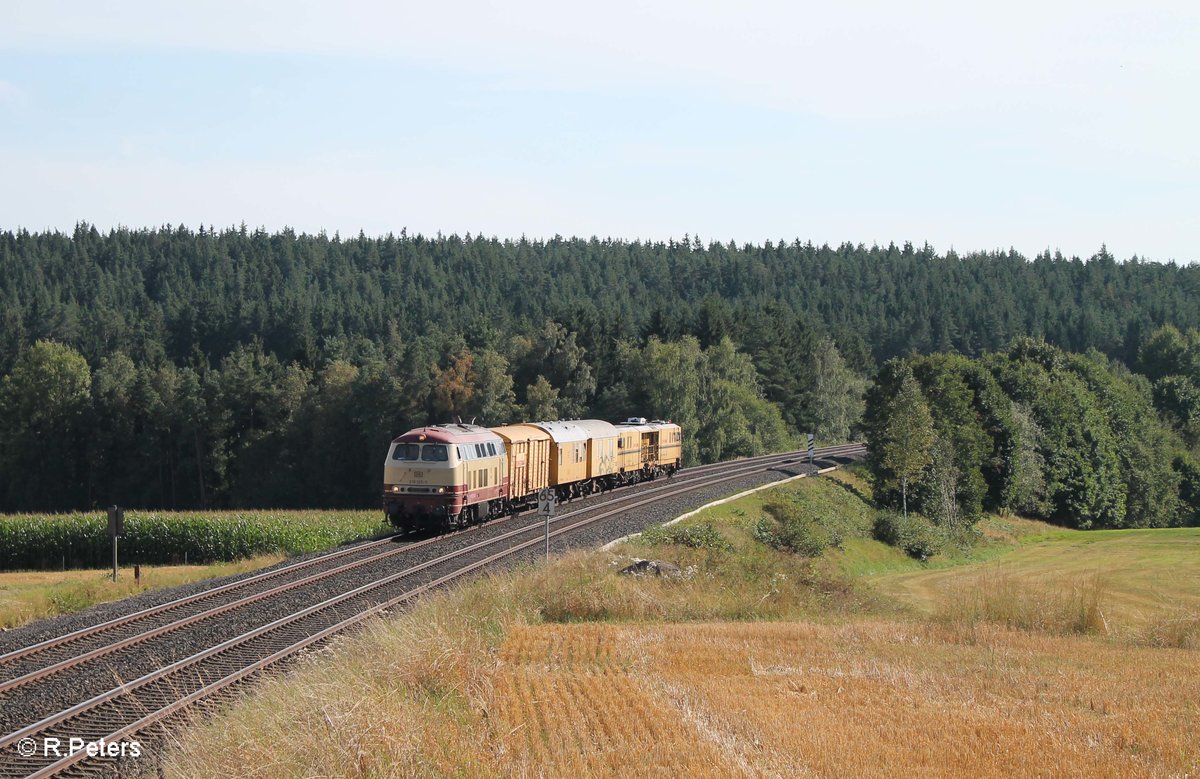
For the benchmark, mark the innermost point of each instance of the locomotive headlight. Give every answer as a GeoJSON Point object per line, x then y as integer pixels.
{"type": "Point", "coordinates": [395, 488]}
{"type": "Point", "coordinates": [441, 489]}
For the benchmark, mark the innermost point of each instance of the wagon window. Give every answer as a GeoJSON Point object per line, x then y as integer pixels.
{"type": "Point", "coordinates": [406, 452]}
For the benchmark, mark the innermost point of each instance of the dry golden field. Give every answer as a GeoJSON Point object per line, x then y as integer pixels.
{"type": "Point", "coordinates": [758, 663]}
{"type": "Point", "coordinates": [864, 698]}
{"type": "Point", "coordinates": [475, 682]}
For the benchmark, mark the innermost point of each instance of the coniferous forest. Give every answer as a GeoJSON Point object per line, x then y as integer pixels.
{"type": "Point", "coordinates": [180, 368]}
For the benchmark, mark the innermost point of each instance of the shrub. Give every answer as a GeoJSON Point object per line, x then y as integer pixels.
{"type": "Point", "coordinates": [787, 528]}
{"type": "Point", "coordinates": [914, 534]}
{"type": "Point", "coordinates": [702, 535]}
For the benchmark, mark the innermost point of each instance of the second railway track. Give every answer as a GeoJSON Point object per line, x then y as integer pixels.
{"type": "Point", "coordinates": [181, 652]}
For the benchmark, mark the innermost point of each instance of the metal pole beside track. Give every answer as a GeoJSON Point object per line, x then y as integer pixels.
{"type": "Point", "coordinates": [546, 506]}
{"type": "Point", "coordinates": [116, 527]}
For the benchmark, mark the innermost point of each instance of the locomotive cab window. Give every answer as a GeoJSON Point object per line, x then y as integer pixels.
{"type": "Point", "coordinates": [407, 452]}
{"type": "Point", "coordinates": [435, 453]}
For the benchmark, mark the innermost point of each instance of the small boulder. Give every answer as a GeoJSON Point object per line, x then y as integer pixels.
{"type": "Point", "coordinates": [657, 567]}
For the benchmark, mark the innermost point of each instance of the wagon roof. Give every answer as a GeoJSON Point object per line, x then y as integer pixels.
{"type": "Point", "coordinates": [521, 432]}
{"type": "Point", "coordinates": [596, 428]}
{"type": "Point", "coordinates": [563, 432]}
{"type": "Point", "coordinates": [647, 426]}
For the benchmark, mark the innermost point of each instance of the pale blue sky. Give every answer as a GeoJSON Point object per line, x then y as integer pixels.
{"type": "Point", "coordinates": [1032, 125]}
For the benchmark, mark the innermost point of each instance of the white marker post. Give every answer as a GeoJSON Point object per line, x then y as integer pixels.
{"type": "Point", "coordinates": [546, 507]}
{"type": "Point", "coordinates": [116, 527]}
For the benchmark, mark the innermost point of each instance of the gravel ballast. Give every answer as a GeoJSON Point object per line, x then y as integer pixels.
{"type": "Point", "coordinates": [24, 705]}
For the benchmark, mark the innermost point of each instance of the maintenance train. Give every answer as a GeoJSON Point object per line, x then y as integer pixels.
{"type": "Point", "coordinates": [452, 475]}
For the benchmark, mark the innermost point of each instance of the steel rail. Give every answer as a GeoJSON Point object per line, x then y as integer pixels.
{"type": "Point", "coordinates": [182, 665]}
{"type": "Point", "coordinates": [129, 688]}
{"type": "Point", "coordinates": [150, 611]}
{"type": "Point", "coordinates": [95, 630]}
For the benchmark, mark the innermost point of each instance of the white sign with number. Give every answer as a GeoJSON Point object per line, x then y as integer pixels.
{"type": "Point", "coordinates": [546, 502]}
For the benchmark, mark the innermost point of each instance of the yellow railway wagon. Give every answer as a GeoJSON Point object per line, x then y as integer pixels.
{"type": "Point", "coordinates": [568, 455]}
{"type": "Point", "coordinates": [670, 444]}
{"type": "Point", "coordinates": [529, 450]}
{"type": "Point", "coordinates": [601, 447]}
{"type": "Point", "coordinates": [629, 445]}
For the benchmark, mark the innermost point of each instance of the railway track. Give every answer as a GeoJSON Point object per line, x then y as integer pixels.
{"type": "Point", "coordinates": [247, 626]}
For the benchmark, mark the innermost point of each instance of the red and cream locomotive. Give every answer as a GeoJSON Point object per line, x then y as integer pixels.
{"type": "Point", "coordinates": [453, 475]}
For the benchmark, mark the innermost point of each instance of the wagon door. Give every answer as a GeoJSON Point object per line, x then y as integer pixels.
{"type": "Point", "coordinates": [650, 448]}
{"type": "Point", "coordinates": [519, 452]}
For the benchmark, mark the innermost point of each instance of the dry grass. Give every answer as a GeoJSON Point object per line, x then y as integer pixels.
{"type": "Point", "coordinates": [1137, 586]}
{"type": "Point", "coordinates": [570, 670]}
{"type": "Point", "coordinates": [566, 702]}
{"type": "Point", "coordinates": [505, 677]}
{"type": "Point", "coordinates": [1052, 606]}
{"type": "Point", "coordinates": [400, 700]}
{"type": "Point", "coordinates": [29, 595]}
{"type": "Point", "coordinates": [874, 698]}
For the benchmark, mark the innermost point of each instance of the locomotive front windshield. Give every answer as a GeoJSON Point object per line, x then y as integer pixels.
{"type": "Point", "coordinates": [407, 452]}
{"type": "Point", "coordinates": [430, 453]}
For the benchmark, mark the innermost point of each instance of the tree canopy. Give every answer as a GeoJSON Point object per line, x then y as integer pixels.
{"type": "Point", "coordinates": [179, 368]}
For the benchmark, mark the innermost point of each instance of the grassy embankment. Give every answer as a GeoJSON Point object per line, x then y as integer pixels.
{"type": "Point", "coordinates": [860, 661]}
{"type": "Point", "coordinates": [36, 548]}
{"type": "Point", "coordinates": [29, 595]}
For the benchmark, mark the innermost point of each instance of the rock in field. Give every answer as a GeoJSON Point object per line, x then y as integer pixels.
{"type": "Point", "coordinates": [657, 567]}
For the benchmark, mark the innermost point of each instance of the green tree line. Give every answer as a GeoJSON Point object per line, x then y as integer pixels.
{"type": "Point", "coordinates": [1074, 438]}
{"type": "Point", "coordinates": [254, 431]}
{"type": "Point", "coordinates": [182, 368]}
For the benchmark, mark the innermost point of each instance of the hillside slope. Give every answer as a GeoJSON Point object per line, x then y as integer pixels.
{"type": "Point", "coordinates": [756, 662]}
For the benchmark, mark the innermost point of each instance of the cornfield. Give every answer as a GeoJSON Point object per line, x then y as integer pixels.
{"type": "Point", "coordinates": [40, 541]}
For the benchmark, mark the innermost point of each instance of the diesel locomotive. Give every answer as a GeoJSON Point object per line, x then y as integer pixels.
{"type": "Point", "coordinates": [452, 475]}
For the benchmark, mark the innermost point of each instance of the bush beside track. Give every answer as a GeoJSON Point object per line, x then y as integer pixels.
{"type": "Point", "coordinates": [40, 541]}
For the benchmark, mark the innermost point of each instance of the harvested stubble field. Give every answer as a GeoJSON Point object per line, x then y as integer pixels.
{"type": "Point", "coordinates": [862, 698]}
{"type": "Point", "coordinates": [756, 663]}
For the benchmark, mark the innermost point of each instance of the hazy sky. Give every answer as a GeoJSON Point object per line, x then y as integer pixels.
{"type": "Point", "coordinates": [1056, 125]}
